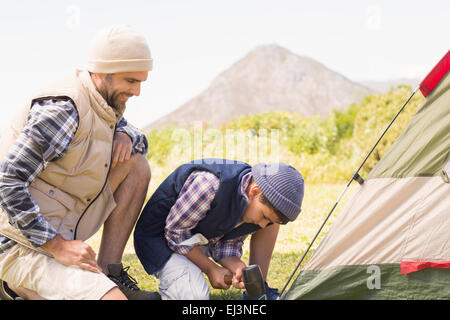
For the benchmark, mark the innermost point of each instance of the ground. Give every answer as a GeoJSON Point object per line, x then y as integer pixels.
{"type": "Point", "coordinates": [293, 240]}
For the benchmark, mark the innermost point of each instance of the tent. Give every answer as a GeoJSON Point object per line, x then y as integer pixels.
{"type": "Point", "coordinates": [392, 239]}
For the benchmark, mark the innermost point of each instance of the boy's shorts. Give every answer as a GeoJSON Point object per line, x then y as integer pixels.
{"type": "Point", "coordinates": [23, 267]}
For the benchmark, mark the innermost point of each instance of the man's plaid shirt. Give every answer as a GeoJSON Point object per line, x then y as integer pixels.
{"type": "Point", "coordinates": [51, 125]}
{"type": "Point", "coordinates": [192, 205]}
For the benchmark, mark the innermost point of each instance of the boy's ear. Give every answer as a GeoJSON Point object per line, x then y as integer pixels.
{"type": "Point", "coordinates": [254, 192]}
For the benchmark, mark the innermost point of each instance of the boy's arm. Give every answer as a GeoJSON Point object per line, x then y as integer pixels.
{"type": "Point", "coordinates": [228, 253]}
{"type": "Point", "coordinates": [216, 274]}
{"type": "Point", "coordinates": [190, 208]}
{"type": "Point", "coordinates": [192, 204]}
{"type": "Point", "coordinates": [235, 265]}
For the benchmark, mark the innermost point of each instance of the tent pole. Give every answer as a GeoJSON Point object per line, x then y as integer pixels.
{"type": "Point", "coordinates": [354, 177]}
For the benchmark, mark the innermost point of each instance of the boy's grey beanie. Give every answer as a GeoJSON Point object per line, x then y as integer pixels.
{"type": "Point", "coordinates": [282, 185]}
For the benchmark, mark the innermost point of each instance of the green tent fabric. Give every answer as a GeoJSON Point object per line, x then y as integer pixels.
{"type": "Point", "coordinates": [392, 240]}
{"type": "Point", "coordinates": [423, 147]}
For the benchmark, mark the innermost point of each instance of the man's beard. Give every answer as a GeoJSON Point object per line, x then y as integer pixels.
{"type": "Point", "coordinates": [112, 97]}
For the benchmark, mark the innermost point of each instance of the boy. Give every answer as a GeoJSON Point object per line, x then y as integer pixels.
{"type": "Point", "coordinates": [207, 208]}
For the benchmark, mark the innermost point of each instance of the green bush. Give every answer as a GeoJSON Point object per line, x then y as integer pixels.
{"type": "Point", "coordinates": [324, 150]}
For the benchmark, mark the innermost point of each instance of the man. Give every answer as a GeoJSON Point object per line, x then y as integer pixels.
{"type": "Point", "coordinates": [72, 164]}
{"type": "Point", "coordinates": [206, 208]}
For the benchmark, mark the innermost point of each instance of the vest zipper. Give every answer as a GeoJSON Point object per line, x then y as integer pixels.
{"type": "Point", "coordinates": [104, 185]}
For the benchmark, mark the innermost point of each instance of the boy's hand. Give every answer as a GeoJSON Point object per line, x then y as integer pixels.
{"type": "Point", "coordinates": [217, 277]}
{"type": "Point", "coordinates": [214, 272]}
{"type": "Point", "coordinates": [235, 265]}
{"type": "Point", "coordinates": [238, 280]}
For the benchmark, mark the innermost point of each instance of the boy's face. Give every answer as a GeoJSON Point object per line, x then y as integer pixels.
{"type": "Point", "coordinates": [256, 212]}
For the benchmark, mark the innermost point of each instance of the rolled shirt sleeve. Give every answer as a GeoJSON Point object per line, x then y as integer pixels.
{"type": "Point", "coordinates": [193, 202]}
{"type": "Point", "coordinates": [139, 140]}
{"type": "Point", "coordinates": [229, 248]}
{"type": "Point", "coordinates": [192, 205]}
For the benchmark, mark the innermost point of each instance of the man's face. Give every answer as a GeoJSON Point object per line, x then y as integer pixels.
{"type": "Point", "coordinates": [117, 88]}
{"type": "Point", "coordinates": [256, 212]}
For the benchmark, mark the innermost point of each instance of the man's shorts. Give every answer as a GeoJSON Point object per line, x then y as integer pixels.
{"type": "Point", "coordinates": [23, 267]}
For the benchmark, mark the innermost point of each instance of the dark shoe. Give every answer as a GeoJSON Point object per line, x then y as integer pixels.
{"type": "Point", "coordinates": [271, 294]}
{"type": "Point", "coordinates": [119, 275]}
{"type": "Point", "coordinates": [6, 293]}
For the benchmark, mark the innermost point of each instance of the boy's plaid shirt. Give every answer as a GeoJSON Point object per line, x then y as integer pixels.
{"type": "Point", "coordinates": [191, 207]}
{"type": "Point", "coordinates": [51, 125]}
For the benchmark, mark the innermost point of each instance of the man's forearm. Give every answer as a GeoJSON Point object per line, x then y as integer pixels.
{"type": "Point", "coordinates": [23, 211]}
{"type": "Point", "coordinates": [53, 245]}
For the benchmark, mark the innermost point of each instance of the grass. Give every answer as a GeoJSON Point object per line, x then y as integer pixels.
{"type": "Point", "coordinates": [292, 241]}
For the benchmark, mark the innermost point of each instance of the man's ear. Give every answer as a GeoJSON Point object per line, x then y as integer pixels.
{"type": "Point", "coordinates": [98, 79]}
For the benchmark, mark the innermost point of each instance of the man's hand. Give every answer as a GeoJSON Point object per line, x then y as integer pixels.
{"type": "Point", "coordinates": [72, 253]}
{"type": "Point", "coordinates": [122, 147]}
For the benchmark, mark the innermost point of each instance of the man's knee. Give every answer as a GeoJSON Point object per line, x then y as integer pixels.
{"type": "Point", "coordinates": [140, 166]}
{"type": "Point", "coordinates": [137, 169]}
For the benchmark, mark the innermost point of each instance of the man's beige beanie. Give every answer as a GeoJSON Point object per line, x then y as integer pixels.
{"type": "Point", "coordinates": [119, 48]}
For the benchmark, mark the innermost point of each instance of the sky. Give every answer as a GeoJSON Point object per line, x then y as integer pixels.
{"type": "Point", "coordinates": [193, 41]}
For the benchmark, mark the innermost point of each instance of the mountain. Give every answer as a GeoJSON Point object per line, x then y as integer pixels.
{"type": "Point", "coordinates": [269, 77]}
{"type": "Point", "coordinates": [384, 86]}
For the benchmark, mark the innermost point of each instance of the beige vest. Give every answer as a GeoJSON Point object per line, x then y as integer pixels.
{"type": "Point", "coordinates": [72, 192]}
